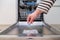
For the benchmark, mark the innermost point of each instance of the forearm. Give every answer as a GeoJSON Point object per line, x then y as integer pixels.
{"type": "Point", "coordinates": [44, 6]}
{"type": "Point", "coordinates": [37, 12]}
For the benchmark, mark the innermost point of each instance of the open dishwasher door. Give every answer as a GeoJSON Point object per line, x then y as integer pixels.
{"type": "Point", "coordinates": [25, 29]}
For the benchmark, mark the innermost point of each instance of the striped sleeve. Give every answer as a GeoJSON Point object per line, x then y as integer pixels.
{"type": "Point", "coordinates": [45, 5]}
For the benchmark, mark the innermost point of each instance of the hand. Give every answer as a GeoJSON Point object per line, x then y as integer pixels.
{"type": "Point", "coordinates": [31, 17]}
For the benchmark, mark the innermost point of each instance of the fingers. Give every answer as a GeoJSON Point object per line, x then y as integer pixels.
{"type": "Point", "coordinates": [30, 19]}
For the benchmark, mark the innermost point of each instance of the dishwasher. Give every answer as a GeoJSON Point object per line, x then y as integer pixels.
{"type": "Point", "coordinates": [24, 28]}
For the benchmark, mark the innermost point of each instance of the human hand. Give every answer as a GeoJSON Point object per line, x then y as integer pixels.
{"type": "Point", "coordinates": [31, 18]}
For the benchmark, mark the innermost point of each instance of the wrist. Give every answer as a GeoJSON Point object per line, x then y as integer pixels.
{"type": "Point", "coordinates": [37, 12]}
